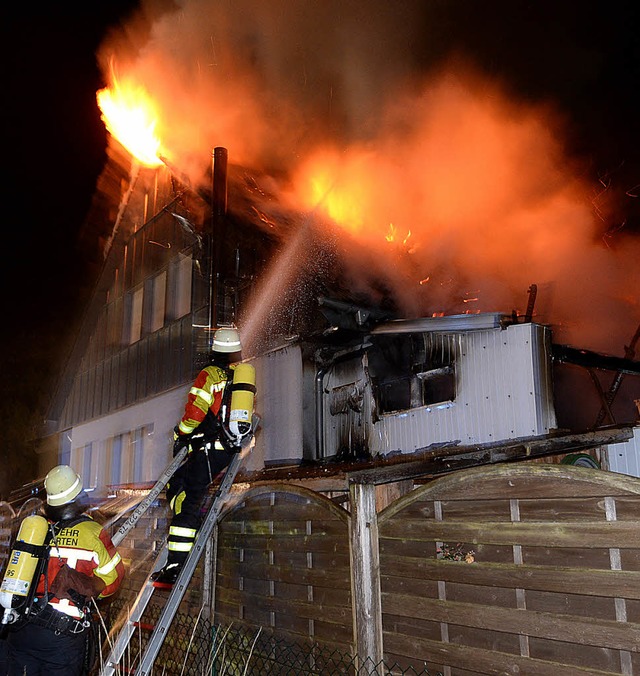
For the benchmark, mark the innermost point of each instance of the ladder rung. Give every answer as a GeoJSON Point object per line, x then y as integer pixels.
{"type": "Point", "coordinates": [144, 625]}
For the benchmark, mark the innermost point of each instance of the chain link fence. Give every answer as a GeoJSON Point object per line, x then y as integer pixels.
{"type": "Point", "coordinates": [195, 647]}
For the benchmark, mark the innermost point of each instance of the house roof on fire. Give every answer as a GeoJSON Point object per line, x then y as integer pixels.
{"type": "Point", "coordinates": [328, 309]}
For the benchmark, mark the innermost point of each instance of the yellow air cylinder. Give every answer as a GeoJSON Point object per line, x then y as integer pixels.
{"type": "Point", "coordinates": [243, 391]}
{"type": "Point", "coordinates": [23, 562]}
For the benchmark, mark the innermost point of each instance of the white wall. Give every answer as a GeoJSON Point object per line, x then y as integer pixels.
{"type": "Point", "coordinates": [159, 415]}
{"type": "Point", "coordinates": [625, 458]}
{"type": "Point", "coordinates": [279, 438]}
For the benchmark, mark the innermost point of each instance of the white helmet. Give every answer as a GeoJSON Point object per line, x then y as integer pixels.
{"type": "Point", "coordinates": [226, 340]}
{"type": "Point", "coordinates": [63, 485]}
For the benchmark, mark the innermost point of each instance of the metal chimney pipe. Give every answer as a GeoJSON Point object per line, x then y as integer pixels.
{"type": "Point", "coordinates": [217, 233]}
{"type": "Point", "coordinates": [219, 184]}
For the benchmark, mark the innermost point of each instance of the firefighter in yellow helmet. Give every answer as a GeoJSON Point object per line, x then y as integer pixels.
{"type": "Point", "coordinates": [210, 450]}
{"type": "Point", "coordinates": [80, 564]}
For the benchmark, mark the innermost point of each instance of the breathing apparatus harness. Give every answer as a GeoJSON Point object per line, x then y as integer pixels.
{"type": "Point", "coordinates": [37, 609]}
{"type": "Point", "coordinates": [224, 435]}
{"type": "Point", "coordinates": [232, 423]}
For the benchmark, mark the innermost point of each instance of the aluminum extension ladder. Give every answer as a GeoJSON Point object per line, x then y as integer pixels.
{"type": "Point", "coordinates": [179, 588]}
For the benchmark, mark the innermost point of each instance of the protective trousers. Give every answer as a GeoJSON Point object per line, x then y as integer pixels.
{"type": "Point", "coordinates": [185, 492]}
{"type": "Point", "coordinates": [40, 651]}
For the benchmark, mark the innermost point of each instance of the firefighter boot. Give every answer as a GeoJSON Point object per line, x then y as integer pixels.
{"type": "Point", "coordinates": [179, 545]}
{"type": "Point", "coordinates": [166, 577]}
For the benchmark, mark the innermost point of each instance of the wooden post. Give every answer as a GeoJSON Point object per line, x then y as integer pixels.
{"type": "Point", "coordinates": [365, 573]}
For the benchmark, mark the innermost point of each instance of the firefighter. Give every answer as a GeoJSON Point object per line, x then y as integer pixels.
{"type": "Point", "coordinates": [210, 450]}
{"type": "Point", "coordinates": [82, 564]}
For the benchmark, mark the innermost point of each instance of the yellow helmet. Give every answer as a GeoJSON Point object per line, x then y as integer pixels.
{"type": "Point", "coordinates": [226, 340]}
{"type": "Point", "coordinates": [63, 485]}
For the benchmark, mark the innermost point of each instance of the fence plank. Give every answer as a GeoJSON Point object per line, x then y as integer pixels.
{"type": "Point", "coordinates": [607, 634]}
{"type": "Point", "coordinates": [482, 661]}
{"type": "Point", "coordinates": [622, 534]}
{"type": "Point", "coordinates": [625, 583]}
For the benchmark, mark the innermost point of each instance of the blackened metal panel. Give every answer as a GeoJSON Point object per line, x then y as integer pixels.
{"type": "Point", "coordinates": [346, 407]}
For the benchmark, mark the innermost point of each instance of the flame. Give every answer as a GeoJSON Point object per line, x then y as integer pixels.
{"type": "Point", "coordinates": [336, 201]}
{"type": "Point", "coordinates": [339, 191]}
{"type": "Point", "coordinates": [393, 236]}
{"type": "Point", "coordinates": [354, 187]}
{"type": "Point", "coordinates": [130, 116]}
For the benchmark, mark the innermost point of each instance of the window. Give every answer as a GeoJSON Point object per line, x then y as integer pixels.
{"type": "Point", "coordinates": [65, 448]}
{"type": "Point", "coordinates": [157, 302]}
{"type": "Point", "coordinates": [435, 385]}
{"type": "Point", "coordinates": [86, 460]}
{"type": "Point", "coordinates": [114, 324]}
{"type": "Point", "coordinates": [139, 439]}
{"type": "Point", "coordinates": [133, 315]}
{"type": "Point", "coordinates": [179, 290]}
{"type": "Point", "coordinates": [412, 370]}
{"type": "Point", "coordinates": [114, 458]}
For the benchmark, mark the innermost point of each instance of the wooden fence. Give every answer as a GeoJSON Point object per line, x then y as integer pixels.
{"type": "Point", "coordinates": [508, 569]}
{"type": "Point", "coordinates": [505, 569]}
{"type": "Point", "coordinates": [551, 584]}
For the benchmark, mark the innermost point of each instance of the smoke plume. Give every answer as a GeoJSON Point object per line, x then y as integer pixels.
{"type": "Point", "coordinates": [462, 194]}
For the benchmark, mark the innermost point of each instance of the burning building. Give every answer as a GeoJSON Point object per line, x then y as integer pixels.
{"type": "Point", "coordinates": [366, 281]}
{"type": "Point", "coordinates": [377, 287]}
{"type": "Point", "coordinates": [343, 376]}
{"type": "Point", "coordinates": [359, 406]}
{"type": "Point", "coordinates": [366, 278]}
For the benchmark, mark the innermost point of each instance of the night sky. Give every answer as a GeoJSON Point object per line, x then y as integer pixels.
{"type": "Point", "coordinates": [584, 57]}
{"type": "Point", "coordinates": [54, 149]}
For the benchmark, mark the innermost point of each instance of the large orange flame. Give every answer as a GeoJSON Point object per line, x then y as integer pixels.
{"type": "Point", "coordinates": [344, 186]}
{"type": "Point", "coordinates": [130, 116]}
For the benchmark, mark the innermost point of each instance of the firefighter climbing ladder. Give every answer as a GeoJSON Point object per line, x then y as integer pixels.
{"type": "Point", "coordinates": [173, 602]}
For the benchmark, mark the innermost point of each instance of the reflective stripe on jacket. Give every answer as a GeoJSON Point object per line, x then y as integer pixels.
{"type": "Point", "coordinates": [205, 395]}
{"type": "Point", "coordinates": [87, 548]}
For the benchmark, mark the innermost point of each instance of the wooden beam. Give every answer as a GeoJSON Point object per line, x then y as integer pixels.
{"type": "Point", "coordinates": [595, 360]}
{"type": "Point", "coordinates": [444, 460]}
{"type": "Point", "coordinates": [365, 572]}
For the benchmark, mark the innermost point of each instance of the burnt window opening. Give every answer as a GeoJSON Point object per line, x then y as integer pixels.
{"type": "Point", "coordinates": [412, 370]}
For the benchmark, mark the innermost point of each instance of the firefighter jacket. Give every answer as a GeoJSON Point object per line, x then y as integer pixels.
{"type": "Point", "coordinates": [204, 396]}
{"type": "Point", "coordinates": [85, 547]}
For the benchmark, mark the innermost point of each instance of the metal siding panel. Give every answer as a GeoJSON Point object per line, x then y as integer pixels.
{"type": "Point", "coordinates": [279, 404]}
{"type": "Point", "coordinates": [503, 392]}
{"type": "Point", "coordinates": [508, 357]}
{"type": "Point", "coordinates": [625, 458]}
{"type": "Point", "coordinates": [519, 385]}
{"type": "Point", "coordinates": [338, 427]}
{"type": "Point", "coordinates": [542, 368]}
{"type": "Point", "coordinates": [482, 371]}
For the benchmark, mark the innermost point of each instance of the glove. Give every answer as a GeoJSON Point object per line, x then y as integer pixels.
{"type": "Point", "coordinates": [179, 441]}
{"type": "Point", "coordinates": [71, 584]}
